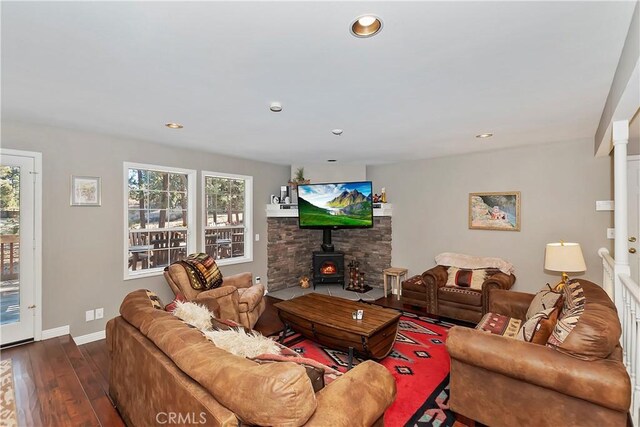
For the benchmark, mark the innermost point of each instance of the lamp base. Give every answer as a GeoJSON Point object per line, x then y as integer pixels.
{"type": "Point", "coordinates": [562, 283]}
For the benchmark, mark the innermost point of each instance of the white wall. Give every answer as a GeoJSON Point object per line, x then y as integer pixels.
{"type": "Point", "coordinates": [559, 183]}
{"type": "Point", "coordinates": [83, 247]}
{"type": "Point", "coordinates": [332, 172]}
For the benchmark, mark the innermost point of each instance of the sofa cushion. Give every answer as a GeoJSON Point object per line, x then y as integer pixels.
{"type": "Point", "coordinates": [499, 324]}
{"type": "Point", "coordinates": [588, 327]}
{"type": "Point", "coordinates": [544, 299]}
{"type": "Point", "coordinates": [465, 296]}
{"type": "Point", "coordinates": [539, 327]}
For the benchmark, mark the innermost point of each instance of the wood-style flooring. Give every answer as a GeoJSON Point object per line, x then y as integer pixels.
{"type": "Point", "coordinates": [59, 384]}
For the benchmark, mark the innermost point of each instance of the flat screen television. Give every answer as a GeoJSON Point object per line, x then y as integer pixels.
{"type": "Point", "coordinates": [337, 205]}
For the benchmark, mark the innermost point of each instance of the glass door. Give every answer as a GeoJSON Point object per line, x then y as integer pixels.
{"type": "Point", "coordinates": [17, 221]}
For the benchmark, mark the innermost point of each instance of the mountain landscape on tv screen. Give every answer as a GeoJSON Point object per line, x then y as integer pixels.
{"type": "Point", "coordinates": [348, 208]}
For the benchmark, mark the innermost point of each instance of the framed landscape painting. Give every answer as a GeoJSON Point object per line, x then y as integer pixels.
{"type": "Point", "coordinates": [494, 211]}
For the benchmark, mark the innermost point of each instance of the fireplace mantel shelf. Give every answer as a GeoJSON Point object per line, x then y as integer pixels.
{"type": "Point", "coordinates": [273, 210]}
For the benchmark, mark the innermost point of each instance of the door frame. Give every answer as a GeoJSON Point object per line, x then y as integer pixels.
{"type": "Point", "coordinates": [37, 233]}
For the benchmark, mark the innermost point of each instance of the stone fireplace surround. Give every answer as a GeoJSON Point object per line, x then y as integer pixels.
{"type": "Point", "coordinates": [289, 249]}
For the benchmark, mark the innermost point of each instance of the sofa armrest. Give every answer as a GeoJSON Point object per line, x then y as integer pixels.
{"type": "Point", "coordinates": [241, 280]}
{"type": "Point", "coordinates": [509, 303]}
{"type": "Point", "coordinates": [370, 388]}
{"type": "Point", "coordinates": [604, 382]}
{"type": "Point", "coordinates": [250, 298]}
{"type": "Point", "coordinates": [217, 293]}
{"type": "Point", "coordinates": [436, 276]}
{"type": "Point", "coordinates": [495, 281]}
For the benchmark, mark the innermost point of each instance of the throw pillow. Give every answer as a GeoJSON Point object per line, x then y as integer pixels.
{"type": "Point", "coordinates": [194, 315]}
{"type": "Point", "coordinates": [241, 343]}
{"type": "Point", "coordinates": [465, 278]}
{"type": "Point", "coordinates": [566, 323]}
{"type": "Point", "coordinates": [172, 305]}
{"type": "Point", "coordinates": [499, 324]}
{"type": "Point", "coordinates": [539, 327]}
{"type": "Point", "coordinates": [546, 298]}
{"type": "Point", "coordinates": [154, 299]}
{"type": "Point", "coordinates": [202, 270]}
{"type": "Point", "coordinates": [573, 295]}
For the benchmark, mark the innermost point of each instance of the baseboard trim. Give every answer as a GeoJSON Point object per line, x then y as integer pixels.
{"type": "Point", "coordinates": [55, 332]}
{"type": "Point", "coordinates": [85, 339]}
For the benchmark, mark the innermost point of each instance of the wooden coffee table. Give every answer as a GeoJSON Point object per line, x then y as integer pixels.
{"type": "Point", "coordinates": [328, 321]}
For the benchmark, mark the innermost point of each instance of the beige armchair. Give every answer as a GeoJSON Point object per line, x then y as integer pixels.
{"type": "Point", "coordinates": [236, 299]}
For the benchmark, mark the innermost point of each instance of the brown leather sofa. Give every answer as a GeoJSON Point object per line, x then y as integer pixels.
{"type": "Point", "coordinates": [161, 367]}
{"type": "Point", "coordinates": [239, 299]}
{"type": "Point", "coordinates": [428, 290]}
{"type": "Point", "coordinates": [501, 381]}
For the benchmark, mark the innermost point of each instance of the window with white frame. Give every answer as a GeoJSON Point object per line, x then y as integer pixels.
{"type": "Point", "coordinates": [159, 217]}
{"type": "Point", "coordinates": [227, 217]}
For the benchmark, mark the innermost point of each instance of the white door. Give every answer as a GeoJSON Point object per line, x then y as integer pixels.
{"type": "Point", "coordinates": [17, 224]}
{"type": "Point", "coordinates": [633, 189]}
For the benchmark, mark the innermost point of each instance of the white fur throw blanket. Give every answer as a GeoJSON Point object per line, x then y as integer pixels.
{"type": "Point", "coordinates": [451, 259]}
{"type": "Point", "coordinates": [240, 343]}
{"type": "Point", "coordinates": [194, 314]}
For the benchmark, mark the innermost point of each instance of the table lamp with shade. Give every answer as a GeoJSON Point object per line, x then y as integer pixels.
{"type": "Point", "coordinates": [565, 258]}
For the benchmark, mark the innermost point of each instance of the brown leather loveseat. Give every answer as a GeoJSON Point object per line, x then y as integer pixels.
{"type": "Point", "coordinates": [163, 369]}
{"type": "Point", "coordinates": [502, 381]}
{"type": "Point", "coordinates": [430, 290]}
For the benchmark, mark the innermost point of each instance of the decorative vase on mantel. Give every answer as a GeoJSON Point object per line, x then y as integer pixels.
{"type": "Point", "coordinates": [299, 179]}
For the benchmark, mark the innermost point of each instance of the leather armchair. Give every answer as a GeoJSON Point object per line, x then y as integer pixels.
{"type": "Point", "coordinates": [428, 290]}
{"type": "Point", "coordinates": [236, 299]}
{"type": "Point", "coordinates": [502, 381]}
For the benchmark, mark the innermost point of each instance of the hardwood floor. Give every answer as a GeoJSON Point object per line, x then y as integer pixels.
{"type": "Point", "coordinates": [59, 384]}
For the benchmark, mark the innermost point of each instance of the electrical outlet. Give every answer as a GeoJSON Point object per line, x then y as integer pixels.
{"type": "Point", "coordinates": [611, 233]}
{"type": "Point", "coordinates": [89, 315]}
{"type": "Point", "coordinates": [257, 237]}
{"type": "Point", "coordinates": [99, 313]}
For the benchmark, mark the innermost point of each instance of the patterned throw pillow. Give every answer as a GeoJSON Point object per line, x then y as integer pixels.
{"type": "Point", "coordinates": [546, 298]}
{"type": "Point", "coordinates": [539, 327]}
{"type": "Point", "coordinates": [571, 311]}
{"type": "Point", "coordinates": [154, 299]}
{"type": "Point", "coordinates": [499, 324]}
{"type": "Point", "coordinates": [466, 278]}
{"type": "Point", "coordinates": [573, 295]}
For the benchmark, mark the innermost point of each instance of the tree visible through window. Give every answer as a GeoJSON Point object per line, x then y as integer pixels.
{"type": "Point", "coordinates": [158, 218]}
{"type": "Point", "coordinates": [226, 222]}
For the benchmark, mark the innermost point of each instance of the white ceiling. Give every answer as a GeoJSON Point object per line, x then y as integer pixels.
{"type": "Point", "coordinates": [437, 74]}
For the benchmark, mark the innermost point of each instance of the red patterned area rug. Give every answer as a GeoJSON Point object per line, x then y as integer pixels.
{"type": "Point", "coordinates": [419, 362]}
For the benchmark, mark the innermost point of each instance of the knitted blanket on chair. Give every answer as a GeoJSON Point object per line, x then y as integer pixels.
{"type": "Point", "coordinates": [203, 271]}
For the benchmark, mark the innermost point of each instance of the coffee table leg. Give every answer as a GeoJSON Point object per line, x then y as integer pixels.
{"type": "Point", "coordinates": [283, 333]}
{"type": "Point", "coordinates": [350, 360]}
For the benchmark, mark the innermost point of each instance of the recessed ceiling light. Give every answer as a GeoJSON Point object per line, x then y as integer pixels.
{"type": "Point", "coordinates": [276, 107]}
{"type": "Point", "coordinates": [337, 132]}
{"type": "Point", "coordinates": [484, 135]}
{"type": "Point", "coordinates": [174, 125]}
{"type": "Point", "coordinates": [366, 26]}
{"type": "Point", "coordinates": [332, 160]}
